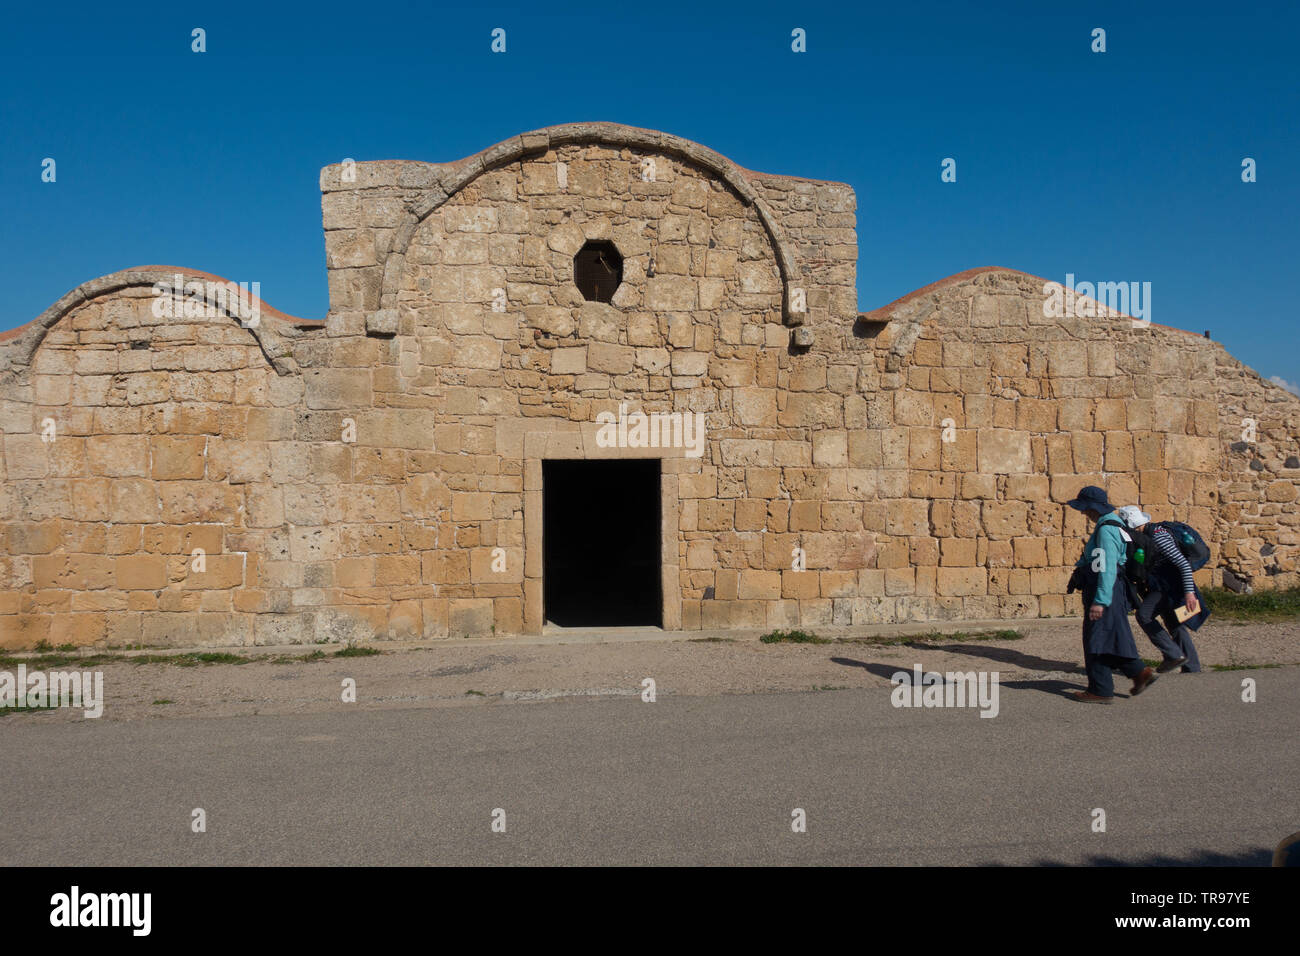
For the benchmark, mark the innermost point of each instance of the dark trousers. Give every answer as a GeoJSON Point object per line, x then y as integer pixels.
{"type": "Point", "coordinates": [1099, 667]}
{"type": "Point", "coordinates": [1159, 605]}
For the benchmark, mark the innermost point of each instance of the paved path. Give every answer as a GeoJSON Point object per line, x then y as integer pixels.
{"type": "Point", "coordinates": [1187, 774]}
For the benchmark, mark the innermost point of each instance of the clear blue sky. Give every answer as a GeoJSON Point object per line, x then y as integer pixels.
{"type": "Point", "coordinates": [1122, 166]}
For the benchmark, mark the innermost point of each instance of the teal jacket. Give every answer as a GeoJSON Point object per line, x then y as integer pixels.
{"type": "Point", "coordinates": [1106, 536]}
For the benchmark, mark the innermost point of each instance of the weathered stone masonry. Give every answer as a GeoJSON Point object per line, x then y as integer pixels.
{"type": "Point", "coordinates": [826, 428]}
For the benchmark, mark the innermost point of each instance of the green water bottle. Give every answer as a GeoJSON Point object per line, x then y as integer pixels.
{"type": "Point", "coordinates": [1140, 556]}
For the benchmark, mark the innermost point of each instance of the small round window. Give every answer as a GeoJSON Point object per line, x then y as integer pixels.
{"type": "Point", "coordinates": [598, 270]}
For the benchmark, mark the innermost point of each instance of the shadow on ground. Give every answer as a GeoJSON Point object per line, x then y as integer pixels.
{"type": "Point", "coordinates": [1259, 856]}
{"type": "Point", "coordinates": [1012, 657]}
{"type": "Point", "coordinates": [1048, 685]}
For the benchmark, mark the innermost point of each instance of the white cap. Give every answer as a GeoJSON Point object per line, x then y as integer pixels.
{"type": "Point", "coordinates": [1133, 516]}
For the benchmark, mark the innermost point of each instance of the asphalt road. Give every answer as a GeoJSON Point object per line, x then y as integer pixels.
{"type": "Point", "coordinates": [1187, 774]}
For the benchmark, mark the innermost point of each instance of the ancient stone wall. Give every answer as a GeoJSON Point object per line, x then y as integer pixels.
{"type": "Point", "coordinates": [973, 526]}
{"type": "Point", "coordinates": [183, 480]}
{"type": "Point", "coordinates": [130, 443]}
{"type": "Point", "coordinates": [1257, 522]}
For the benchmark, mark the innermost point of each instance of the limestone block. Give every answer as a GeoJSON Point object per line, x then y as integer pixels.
{"type": "Point", "coordinates": [382, 322]}
{"type": "Point", "coordinates": [337, 388]}
{"type": "Point", "coordinates": [830, 448]}
{"type": "Point", "coordinates": [612, 359]}
{"type": "Point", "coordinates": [957, 552]}
{"type": "Point", "coordinates": [569, 361]}
{"type": "Point", "coordinates": [667, 293]}
{"type": "Point", "coordinates": [1007, 519]}
{"type": "Point", "coordinates": [1191, 453]}
{"type": "Point", "coordinates": [961, 581]}
{"type": "Point", "coordinates": [1003, 451]}
{"type": "Point", "coordinates": [566, 239]}
{"type": "Point", "coordinates": [908, 517]}
{"type": "Point", "coordinates": [27, 456]}
{"type": "Point", "coordinates": [549, 319]}
{"type": "Point", "coordinates": [174, 456]}
{"type": "Point", "coordinates": [760, 585]}
{"type": "Point", "coordinates": [599, 321]}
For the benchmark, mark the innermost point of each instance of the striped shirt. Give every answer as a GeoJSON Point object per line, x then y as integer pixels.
{"type": "Point", "coordinates": [1174, 555]}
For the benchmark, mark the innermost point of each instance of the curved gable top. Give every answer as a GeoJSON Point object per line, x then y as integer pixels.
{"type": "Point", "coordinates": [21, 343]}
{"type": "Point", "coordinates": [451, 179]}
{"type": "Point", "coordinates": [886, 313]}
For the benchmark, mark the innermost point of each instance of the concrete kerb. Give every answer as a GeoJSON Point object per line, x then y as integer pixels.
{"type": "Point", "coordinates": [553, 636]}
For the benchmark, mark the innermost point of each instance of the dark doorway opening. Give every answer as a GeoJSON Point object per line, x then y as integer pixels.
{"type": "Point", "coordinates": [600, 543]}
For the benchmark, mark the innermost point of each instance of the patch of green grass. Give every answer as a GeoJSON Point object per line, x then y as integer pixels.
{"type": "Point", "coordinates": [37, 662]}
{"type": "Point", "coordinates": [930, 637]}
{"type": "Point", "coordinates": [213, 658]}
{"type": "Point", "coordinates": [793, 637]}
{"type": "Point", "coordinates": [298, 658]}
{"type": "Point", "coordinates": [475, 693]}
{"type": "Point", "coordinates": [1280, 605]}
{"type": "Point", "coordinates": [163, 700]}
{"type": "Point", "coordinates": [711, 640]}
{"type": "Point", "coordinates": [51, 660]}
{"type": "Point", "coordinates": [940, 637]}
{"type": "Point", "coordinates": [1242, 667]}
{"type": "Point", "coordinates": [819, 687]}
{"type": "Point", "coordinates": [353, 651]}
{"type": "Point", "coordinates": [27, 709]}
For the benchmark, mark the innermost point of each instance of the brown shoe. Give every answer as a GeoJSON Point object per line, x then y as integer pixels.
{"type": "Point", "coordinates": [1086, 697]}
{"type": "Point", "coordinates": [1143, 681]}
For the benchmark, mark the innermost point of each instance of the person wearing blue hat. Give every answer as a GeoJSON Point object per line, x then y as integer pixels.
{"type": "Point", "coordinates": [1107, 638]}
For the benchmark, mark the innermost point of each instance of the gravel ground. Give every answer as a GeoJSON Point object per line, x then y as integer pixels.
{"type": "Point", "coordinates": [595, 663]}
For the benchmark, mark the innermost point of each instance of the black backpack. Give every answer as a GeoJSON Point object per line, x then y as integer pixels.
{"type": "Point", "coordinates": [1139, 552]}
{"type": "Point", "coordinates": [1189, 541]}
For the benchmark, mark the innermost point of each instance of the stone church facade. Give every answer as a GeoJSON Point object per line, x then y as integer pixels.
{"type": "Point", "coordinates": [388, 472]}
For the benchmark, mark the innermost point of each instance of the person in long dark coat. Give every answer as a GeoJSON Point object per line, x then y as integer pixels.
{"type": "Point", "coordinates": [1169, 584]}
{"type": "Point", "coordinates": [1107, 638]}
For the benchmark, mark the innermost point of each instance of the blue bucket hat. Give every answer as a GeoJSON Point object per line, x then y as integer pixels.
{"type": "Point", "coordinates": [1092, 498]}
